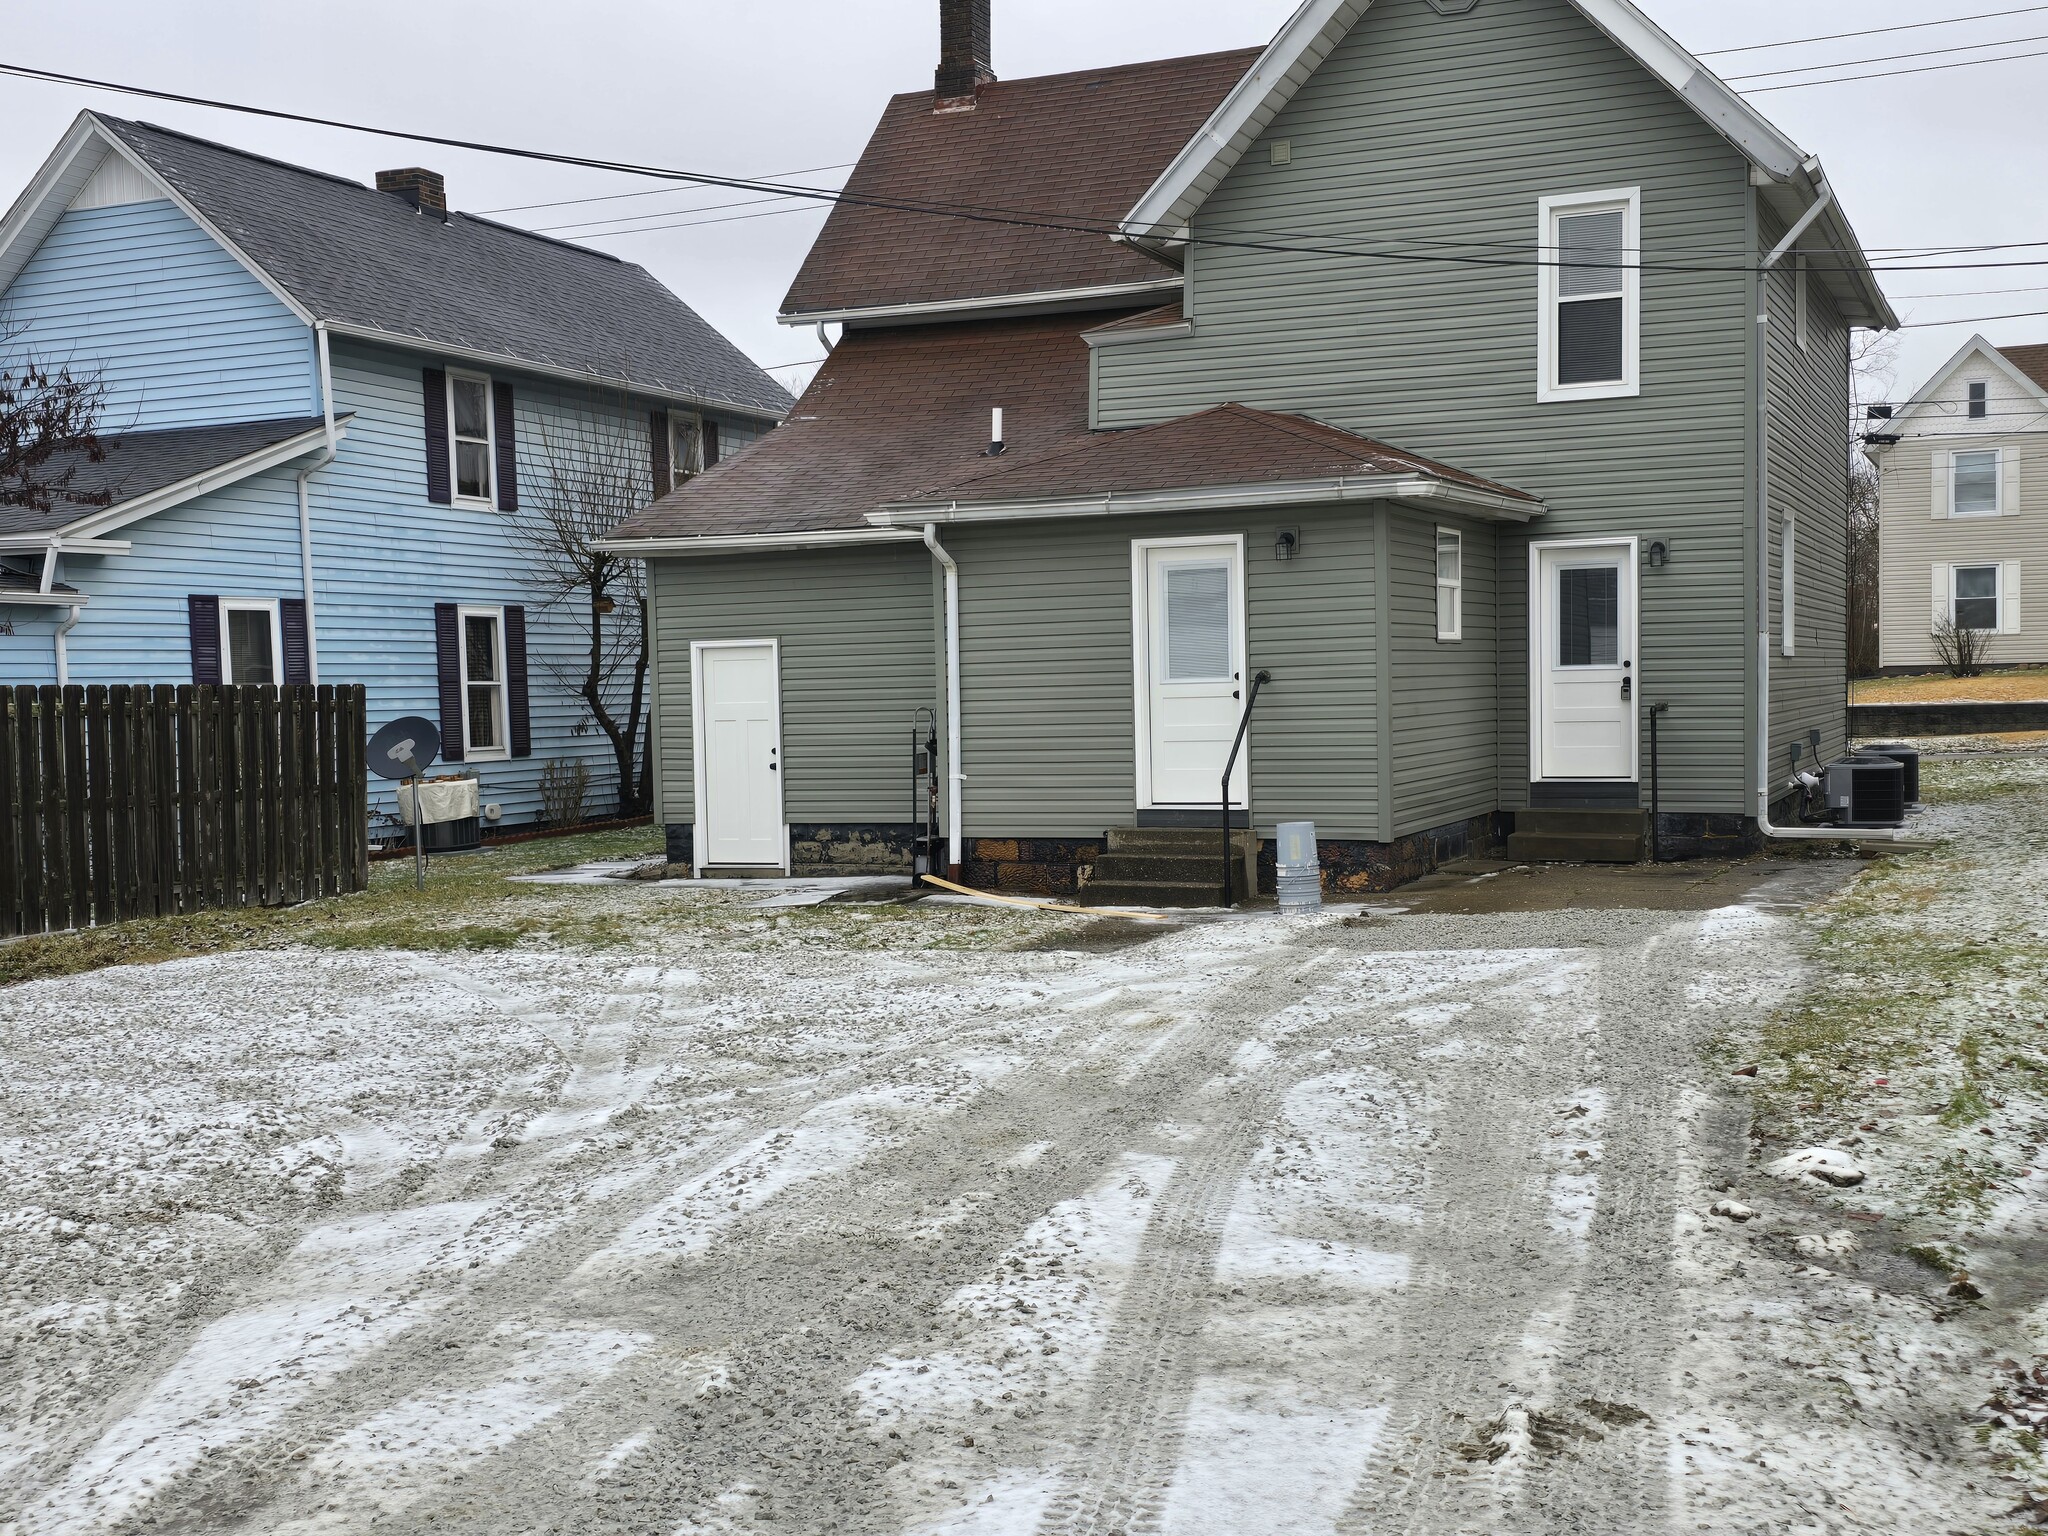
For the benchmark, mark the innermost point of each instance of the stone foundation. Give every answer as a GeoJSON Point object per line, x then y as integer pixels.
{"type": "Point", "coordinates": [841, 849]}
{"type": "Point", "coordinates": [1040, 866]}
{"type": "Point", "coordinates": [1700, 835]}
{"type": "Point", "coordinates": [680, 835]}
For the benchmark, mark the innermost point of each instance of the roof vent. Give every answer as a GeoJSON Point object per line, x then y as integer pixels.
{"type": "Point", "coordinates": [422, 188]}
{"type": "Point", "coordinates": [964, 52]}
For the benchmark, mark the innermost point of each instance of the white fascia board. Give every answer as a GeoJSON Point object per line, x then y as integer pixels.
{"type": "Point", "coordinates": [740, 543]}
{"type": "Point", "coordinates": [506, 363]}
{"type": "Point", "coordinates": [60, 178]}
{"type": "Point", "coordinates": [1103, 296]}
{"type": "Point", "coordinates": [21, 542]}
{"type": "Point", "coordinates": [1420, 489]}
{"type": "Point", "coordinates": [44, 600]}
{"type": "Point", "coordinates": [1146, 333]}
{"type": "Point", "coordinates": [221, 475]}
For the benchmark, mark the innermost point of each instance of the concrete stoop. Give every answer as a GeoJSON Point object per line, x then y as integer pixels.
{"type": "Point", "coordinates": [1613, 836]}
{"type": "Point", "coordinates": [1168, 867]}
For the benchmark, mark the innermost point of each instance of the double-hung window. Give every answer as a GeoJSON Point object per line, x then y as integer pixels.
{"type": "Point", "coordinates": [471, 441]}
{"type": "Point", "coordinates": [1980, 400]}
{"type": "Point", "coordinates": [1973, 484]}
{"type": "Point", "coordinates": [1590, 281]}
{"type": "Point", "coordinates": [251, 650]}
{"type": "Point", "coordinates": [1973, 603]}
{"type": "Point", "coordinates": [1450, 584]}
{"type": "Point", "coordinates": [483, 683]}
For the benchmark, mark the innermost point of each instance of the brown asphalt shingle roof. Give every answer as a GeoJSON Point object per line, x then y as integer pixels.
{"type": "Point", "coordinates": [888, 412]}
{"type": "Point", "coordinates": [1077, 147]}
{"type": "Point", "coordinates": [1226, 445]}
{"type": "Point", "coordinates": [2032, 361]}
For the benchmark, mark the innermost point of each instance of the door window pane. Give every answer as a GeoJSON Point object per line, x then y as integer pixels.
{"type": "Point", "coordinates": [251, 659]}
{"type": "Point", "coordinates": [1977, 597]}
{"type": "Point", "coordinates": [1197, 623]}
{"type": "Point", "coordinates": [1976, 483]}
{"type": "Point", "coordinates": [1589, 616]}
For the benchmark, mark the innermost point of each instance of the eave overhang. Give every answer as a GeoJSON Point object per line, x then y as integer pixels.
{"type": "Point", "coordinates": [1423, 492]}
{"type": "Point", "coordinates": [994, 306]}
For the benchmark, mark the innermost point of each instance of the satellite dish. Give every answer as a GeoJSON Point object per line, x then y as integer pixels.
{"type": "Point", "coordinates": [404, 748]}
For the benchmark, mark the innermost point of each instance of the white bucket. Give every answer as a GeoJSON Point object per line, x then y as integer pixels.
{"type": "Point", "coordinates": [1299, 872]}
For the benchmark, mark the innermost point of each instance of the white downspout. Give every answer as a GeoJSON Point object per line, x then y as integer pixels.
{"type": "Point", "coordinates": [955, 777]}
{"type": "Point", "coordinates": [1824, 194]}
{"type": "Point", "coordinates": [305, 508]}
{"type": "Point", "coordinates": [60, 642]}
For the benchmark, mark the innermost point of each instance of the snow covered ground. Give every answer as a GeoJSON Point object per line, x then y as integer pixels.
{"type": "Point", "coordinates": [1287, 1225]}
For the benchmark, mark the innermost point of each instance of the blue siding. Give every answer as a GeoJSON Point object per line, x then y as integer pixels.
{"type": "Point", "coordinates": [184, 334]}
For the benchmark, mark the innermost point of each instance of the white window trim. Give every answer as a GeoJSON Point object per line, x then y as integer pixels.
{"type": "Point", "coordinates": [679, 469]}
{"type": "Point", "coordinates": [267, 605]}
{"type": "Point", "coordinates": [1799, 303]}
{"type": "Point", "coordinates": [1997, 507]}
{"type": "Point", "coordinates": [1788, 586]}
{"type": "Point", "coordinates": [1457, 586]}
{"type": "Point", "coordinates": [490, 438]}
{"type": "Point", "coordinates": [1997, 569]}
{"type": "Point", "coordinates": [1548, 212]}
{"type": "Point", "coordinates": [503, 751]}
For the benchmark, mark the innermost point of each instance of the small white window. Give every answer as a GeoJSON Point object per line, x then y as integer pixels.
{"type": "Point", "coordinates": [1974, 597]}
{"type": "Point", "coordinates": [1980, 403]}
{"type": "Point", "coordinates": [1787, 580]}
{"type": "Point", "coordinates": [483, 683]}
{"type": "Point", "coordinates": [470, 439]}
{"type": "Point", "coordinates": [251, 649]}
{"type": "Point", "coordinates": [1590, 281]}
{"type": "Point", "coordinates": [1973, 484]}
{"type": "Point", "coordinates": [1799, 299]}
{"type": "Point", "coordinates": [1450, 584]}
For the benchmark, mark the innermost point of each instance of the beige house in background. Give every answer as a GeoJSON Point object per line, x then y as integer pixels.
{"type": "Point", "coordinates": [1963, 507]}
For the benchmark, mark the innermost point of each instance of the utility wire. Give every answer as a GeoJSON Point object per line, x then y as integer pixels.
{"type": "Point", "coordinates": [1909, 26]}
{"type": "Point", "coordinates": [614, 197]}
{"type": "Point", "coordinates": [2025, 314]}
{"type": "Point", "coordinates": [1887, 74]}
{"type": "Point", "coordinates": [1887, 58]}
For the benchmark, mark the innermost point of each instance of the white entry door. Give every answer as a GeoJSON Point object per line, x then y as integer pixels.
{"type": "Point", "coordinates": [1189, 596]}
{"type": "Point", "coordinates": [739, 754]}
{"type": "Point", "coordinates": [1582, 654]}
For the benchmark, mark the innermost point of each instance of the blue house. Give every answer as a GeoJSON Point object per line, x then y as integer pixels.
{"type": "Point", "coordinates": [338, 419]}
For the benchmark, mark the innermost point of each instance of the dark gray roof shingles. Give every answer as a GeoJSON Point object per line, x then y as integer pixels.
{"type": "Point", "coordinates": [354, 256]}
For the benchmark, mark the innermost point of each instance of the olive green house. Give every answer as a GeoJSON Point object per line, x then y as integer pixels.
{"type": "Point", "coordinates": [1413, 361]}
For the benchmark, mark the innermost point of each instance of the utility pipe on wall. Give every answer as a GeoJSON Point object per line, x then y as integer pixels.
{"type": "Point", "coordinates": [60, 642]}
{"type": "Point", "coordinates": [1824, 194]}
{"type": "Point", "coordinates": [305, 508]}
{"type": "Point", "coordinates": [954, 776]}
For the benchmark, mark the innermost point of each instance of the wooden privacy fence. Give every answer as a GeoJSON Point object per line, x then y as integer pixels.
{"type": "Point", "coordinates": [137, 801]}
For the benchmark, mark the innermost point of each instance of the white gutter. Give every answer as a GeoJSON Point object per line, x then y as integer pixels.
{"type": "Point", "coordinates": [1388, 487]}
{"type": "Point", "coordinates": [1824, 194]}
{"type": "Point", "coordinates": [954, 776]}
{"type": "Point", "coordinates": [59, 643]}
{"type": "Point", "coordinates": [741, 543]}
{"type": "Point", "coordinates": [305, 508]}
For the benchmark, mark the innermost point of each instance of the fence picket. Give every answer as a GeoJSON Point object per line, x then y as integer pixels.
{"type": "Point", "coordinates": [56, 855]}
{"type": "Point", "coordinates": [78, 870]}
{"type": "Point", "coordinates": [30, 759]}
{"type": "Point", "coordinates": [186, 801]}
{"type": "Point", "coordinates": [10, 824]}
{"type": "Point", "coordinates": [99, 833]}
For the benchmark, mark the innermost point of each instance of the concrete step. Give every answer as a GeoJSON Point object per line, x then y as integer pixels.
{"type": "Point", "coordinates": [1581, 848]}
{"type": "Point", "coordinates": [1176, 868]}
{"type": "Point", "coordinates": [1173, 839]}
{"type": "Point", "coordinates": [1151, 893]}
{"type": "Point", "coordinates": [1588, 822]}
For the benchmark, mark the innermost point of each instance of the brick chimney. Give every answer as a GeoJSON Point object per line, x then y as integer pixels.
{"type": "Point", "coordinates": [424, 189]}
{"type": "Point", "coordinates": [964, 52]}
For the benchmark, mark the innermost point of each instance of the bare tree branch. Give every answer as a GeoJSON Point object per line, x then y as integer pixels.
{"type": "Point", "coordinates": [48, 413]}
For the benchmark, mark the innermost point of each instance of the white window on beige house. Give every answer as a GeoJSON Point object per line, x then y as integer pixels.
{"type": "Point", "coordinates": [1983, 596]}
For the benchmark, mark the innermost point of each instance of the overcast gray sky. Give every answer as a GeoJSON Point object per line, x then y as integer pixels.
{"type": "Point", "coordinates": [766, 88]}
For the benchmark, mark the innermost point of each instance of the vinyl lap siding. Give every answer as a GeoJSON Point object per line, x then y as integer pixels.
{"type": "Point", "coordinates": [1423, 127]}
{"type": "Point", "coordinates": [1445, 692]}
{"type": "Point", "coordinates": [1048, 703]}
{"type": "Point", "coordinates": [184, 334]}
{"type": "Point", "coordinates": [855, 628]}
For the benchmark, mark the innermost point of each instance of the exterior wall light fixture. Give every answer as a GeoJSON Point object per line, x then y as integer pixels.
{"type": "Point", "coordinates": [1660, 552]}
{"type": "Point", "coordinates": [1285, 543]}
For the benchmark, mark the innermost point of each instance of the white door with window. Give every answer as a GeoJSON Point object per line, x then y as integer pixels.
{"type": "Point", "coordinates": [1188, 597]}
{"type": "Point", "coordinates": [1582, 654]}
{"type": "Point", "coordinates": [739, 753]}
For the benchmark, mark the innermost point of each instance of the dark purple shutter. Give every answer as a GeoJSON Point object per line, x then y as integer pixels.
{"type": "Point", "coordinates": [203, 616]}
{"type": "Point", "coordinates": [515, 681]}
{"type": "Point", "coordinates": [298, 656]}
{"type": "Point", "coordinates": [657, 439]}
{"type": "Point", "coordinates": [710, 442]}
{"type": "Point", "coordinates": [448, 666]}
{"type": "Point", "coordinates": [434, 390]}
{"type": "Point", "coordinates": [508, 448]}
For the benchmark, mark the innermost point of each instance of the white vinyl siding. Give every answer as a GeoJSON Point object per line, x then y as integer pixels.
{"type": "Point", "coordinates": [1590, 323]}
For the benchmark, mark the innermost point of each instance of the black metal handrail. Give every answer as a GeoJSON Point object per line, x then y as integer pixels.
{"type": "Point", "coordinates": [1259, 680]}
{"type": "Point", "coordinates": [1656, 788]}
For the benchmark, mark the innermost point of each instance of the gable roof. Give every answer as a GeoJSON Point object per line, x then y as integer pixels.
{"type": "Point", "coordinates": [888, 412]}
{"type": "Point", "coordinates": [2026, 372]}
{"type": "Point", "coordinates": [368, 264]}
{"type": "Point", "coordinates": [145, 472]}
{"type": "Point", "coordinates": [1231, 455]}
{"type": "Point", "coordinates": [1074, 147]}
{"type": "Point", "coordinates": [1160, 218]}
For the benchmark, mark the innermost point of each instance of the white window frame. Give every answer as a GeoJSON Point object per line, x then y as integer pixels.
{"type": "Point", "coordinates": [680, 469]}
{"type": "Point", "coordinates": [1972, 399]}
{"type": "Point", "coordinates": [1549, 210]}
{"type": "Point", "coordinates": [503, 684]}
{"type": "Point", "coordinates": [1799, 300]}
{"type": "Point", "coordinates": [267, 605]}
{"type": "Point", "coordinates": [1455, 586]}
{"type": "Point", "coordinates": [490, 441]}
{"type": "Point", "coordinates": [1788, 586]}
{"type": "Point", "coordinates": [1997, 569]}
{"type": "Point", "coordinates": [1997, 483]}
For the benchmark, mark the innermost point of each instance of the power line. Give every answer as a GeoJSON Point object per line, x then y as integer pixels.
{"type": "Point", "coordinates": [1910, 26]}
{"type": "Point", "coordinates": [1887, 74]}
{"type": "Point", "coordinates": [736, 218]}
{"type": "Point", "coordinates": [614, 197]}
{"type": "Point", "coordinates": [665, 213]}
{"type": "Point", "coordinates": [1960, 293]}
{"type": "Point", "coordinates": [2025, 314]}
{"type": "Point", "coordinates": [1887, 58]}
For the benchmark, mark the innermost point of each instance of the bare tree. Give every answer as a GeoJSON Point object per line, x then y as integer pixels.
{"type": "Point", "coordinates": [584, 474]}
{"type": "Point", "coordinates": [1863, 569]}
{"type": "Point", "coordinates": [1963, 651]}
{"type": "Point", "coordinates": [49, 426]}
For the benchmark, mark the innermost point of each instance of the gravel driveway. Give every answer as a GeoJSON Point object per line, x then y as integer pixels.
{"type": "Point", "coordinates": [1367, 1224]}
